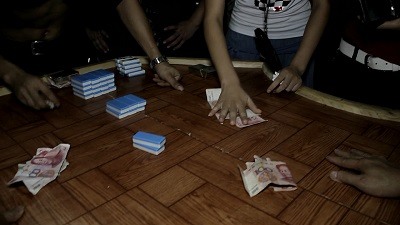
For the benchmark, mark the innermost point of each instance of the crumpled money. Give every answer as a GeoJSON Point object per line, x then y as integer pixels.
{"type": "Point", "coordinates": [43, 168]}
{"type": "Point", "coordinates": [263, 173]}
{"type": "Point", "coordinates": [212, 99]}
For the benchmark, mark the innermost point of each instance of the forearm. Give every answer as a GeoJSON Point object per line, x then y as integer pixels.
{"type": "Point", "coordinates": [312, 34]}
{"type": "Point", "coordinates": [391, 25]}
{"type": "Point", "coordinates": [213, 31]}
{"type": "Point", "coordinates": [136, 22]}
{"type": "Point", "coordinates": [198, 15]}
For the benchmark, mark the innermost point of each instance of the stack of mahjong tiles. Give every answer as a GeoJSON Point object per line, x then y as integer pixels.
{"type": "Point", "coordinates": [151, 143]}
{"type": "Point", "coordinates": [93, 84]}
{"type": "Point", "coordinates": [129, 66]}
{"type": "Point", "coordinates": [126, 105]}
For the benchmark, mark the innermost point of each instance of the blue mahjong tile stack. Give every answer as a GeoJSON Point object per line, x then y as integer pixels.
{"type": "Point", "coordinates": [149, 142]}
{"type": "Point", "coordinates": [93, 84]}
{"type": "Point", "coordinates": [126, 105]}
{"type": "Point", "coordinates": [129, 66]}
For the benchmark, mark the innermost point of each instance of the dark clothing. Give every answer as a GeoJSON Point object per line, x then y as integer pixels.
{"type": "Point", "coordinates": [346, 78]}
{"type": "Point", "coordinates": [163, 13]}
{"type": "Point", "coordinates": [71, 48]}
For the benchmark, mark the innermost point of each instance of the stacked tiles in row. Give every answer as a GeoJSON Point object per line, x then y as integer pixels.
{"type": "Point", "coordinates": [93, 84]}
{"type": "Point", "coordinates": [129, 66]}
{"type": "Point", "coordinates": [151, 143]}
{"type": "Point", "coordinates": [126, 105]}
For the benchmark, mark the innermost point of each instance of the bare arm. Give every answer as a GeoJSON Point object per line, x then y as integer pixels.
{"type": "Point", "coordinates": [312, 35]}
{"type": "Point", "coordinates": [233, 98]}
{"type": "Point", "coordinates": [135, 20]}
{"type": "Point", "coordinates": [29, 89]}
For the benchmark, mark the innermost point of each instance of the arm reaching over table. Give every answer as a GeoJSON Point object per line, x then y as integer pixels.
{"type": "Point", "coordinates": [233, 99]}
{"type": "Point", "coordinates": [376, 176]}
{"type": "Point", "coordinates": [29, 89]}
{"type": "Point", "coordinates": [135, 20]}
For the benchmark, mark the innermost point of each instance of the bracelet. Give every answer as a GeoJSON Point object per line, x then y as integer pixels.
{"type": "Point", "coordinates": [157, 60]}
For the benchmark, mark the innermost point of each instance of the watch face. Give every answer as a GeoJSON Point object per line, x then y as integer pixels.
{"type": "Point", "coordinates": [157, 61]}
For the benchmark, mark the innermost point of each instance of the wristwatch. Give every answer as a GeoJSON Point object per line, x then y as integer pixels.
{"type": "Point", "coordinates": [157, 60]}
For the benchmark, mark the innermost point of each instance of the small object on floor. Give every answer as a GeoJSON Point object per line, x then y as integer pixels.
{"type": "Point", "coordinates": [149, 142]}
{"type": "Point", "coordinates": [264, 172]}
{"type": "Point", "coordinates": [129, 66]}
{"type": "Point", "coordinates": [125, 106]}
{"type": "Point", "coordinates": [43, 168]}
{"type": "Point", "coordinates": [93, 84]}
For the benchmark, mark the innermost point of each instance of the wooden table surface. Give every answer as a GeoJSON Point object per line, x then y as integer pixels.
{"type": "Point", "coordinates": [196, 179]}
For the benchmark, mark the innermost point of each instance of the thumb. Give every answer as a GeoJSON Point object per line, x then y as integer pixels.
{"type": "Point", "coordinates": [345, 177]}
{"type": "Point", "coordinates": [253, 106]}
{"type": "Point", "coordinates": [174, 83]}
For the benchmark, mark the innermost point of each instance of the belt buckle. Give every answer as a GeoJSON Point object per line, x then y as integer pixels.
{"type": "Point", "coordinates": [37, 47]}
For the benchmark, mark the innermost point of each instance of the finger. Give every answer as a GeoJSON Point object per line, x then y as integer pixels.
{"type": "Point", "coordinates": [296, 87]}
{"type": "Point", "coordinates": [179, 45]}
{"type": "Point", "coordinates": [253, 106]}
{"type": "Point", "coordinates": [345, 177]}
{"type": "Point", "coordinates": [104, 45]}
{"type": "Point", "coordinates": [176, 41]}
{"type": "Point", "coordinates": [174, 83]}
{"type": "Point", "coordinates": [27, 99]}
{"type": "Point", "coordinates": [39, 99]}
{"type": "Point", "coordinates": [214, 110]}
{"type": "Point", "coordinates": [272, 86]}
{"type": "Point", "coordinates": [223, 114]}
{"type": "Point", "coordinates": [359, 153]}
{"type": "Point", "coordinates": [342, 153]}
{"type": "Point", "coordinates": [282, 86]}
{"type": "Point", "coordinates": [50, 96]}
{"type": "Point", "coordinates": [161, 82]}
{"type": "Point", "coordinates": [243, 116]}
{"type": "Point", "coordinates": [232, 116]}
{"type": "Point", "coordinates": [172, 27]}
{"type": "Point", "coordinates": [104, 33]}
{"type": "Point", "coordinates": [290, 86]}
{"type": "Point", "coordinates": [171, 38]}
{"type": "Point", "coordinates": [345, 162]}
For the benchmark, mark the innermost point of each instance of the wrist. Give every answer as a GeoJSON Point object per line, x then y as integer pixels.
{"type": "Point", "coordinates": [158, 60]}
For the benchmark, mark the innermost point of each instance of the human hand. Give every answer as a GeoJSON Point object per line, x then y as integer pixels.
{"type": "Point", "coordinates": [183, 31]}
{"type": "Point", "coordinates": [166, 75]}
{"type": "Point", "coordinates": [233, 100]}
{"type": "Point", "coordinates": [12, 215]}
{"type": "Point", "coordinates": [376, 176]}
{"type": "Point", "coordinates": [98, 38]}
{"type": "Point", "coordinates": [32, 91]}
{"type": "Point", "coordinates": [289, 79]}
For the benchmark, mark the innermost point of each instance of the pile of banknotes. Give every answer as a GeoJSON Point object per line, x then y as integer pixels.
{"type": "Point", "coordinates": [263, 173]}
{"type": "Point", "coordinates": [43, 168]}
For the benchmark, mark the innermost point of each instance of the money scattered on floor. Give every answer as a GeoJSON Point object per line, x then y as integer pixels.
{"type": "Point", "coordinates": [43, 168]}
{"type": "Point", "coordinates": [263, 173]}
{"type": "Point", "coordinates": [212, 99]}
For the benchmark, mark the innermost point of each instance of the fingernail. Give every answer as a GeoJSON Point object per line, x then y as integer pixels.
{"type": "Point", "coordinates": [180, 87]}
{"type": "Point", "coordinates": [334, 175]}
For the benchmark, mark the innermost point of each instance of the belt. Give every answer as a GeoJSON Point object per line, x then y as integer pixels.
{"type": "Point", "coordinates": [362, 57]}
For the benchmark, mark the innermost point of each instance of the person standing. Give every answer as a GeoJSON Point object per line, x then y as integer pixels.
{"type": "Point", "coordinates": [296, 25]}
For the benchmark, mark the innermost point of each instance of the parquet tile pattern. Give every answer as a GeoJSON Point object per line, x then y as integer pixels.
{"type": "Point", "coordinates": [196, 179]}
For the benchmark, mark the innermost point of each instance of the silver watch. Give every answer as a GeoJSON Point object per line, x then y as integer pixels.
{"type": "Point", "coordinates": [157, 60]}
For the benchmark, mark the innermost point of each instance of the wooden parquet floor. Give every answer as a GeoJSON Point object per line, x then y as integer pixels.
{"type": "Point", "coordinates": [196, 179]}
